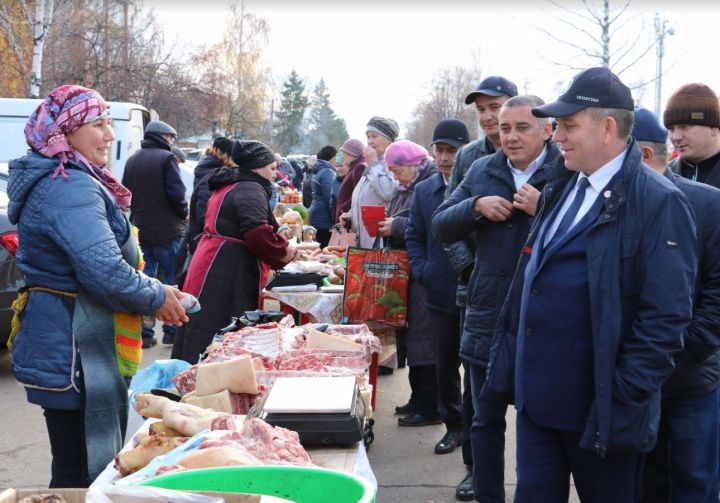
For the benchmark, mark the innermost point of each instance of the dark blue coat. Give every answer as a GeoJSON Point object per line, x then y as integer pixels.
{"type": "Point", "coordinates": [642, 262]}
{"type": "Point", "coordinates": [498, 244]}
{"type": "Point", "coordinates": [428, 261]}
{"type": "Point", "coordinates": [322, 208]}
{"type": "Point", "coordinates": [462, 253]}
{"type": "Point", "coordinates": [697, 368]}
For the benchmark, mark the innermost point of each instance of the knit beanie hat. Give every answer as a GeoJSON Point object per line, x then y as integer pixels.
{"type": "Point", "coordinates": [384, 126]}
{"type": "Point", "coordinates": [251, 154]}
{"type": "Point", "coordinates": [405, 153]}
{"type": "Point", "coordinates": [693, 104]}
{"type": "Point", "coordinates": [353, 147]}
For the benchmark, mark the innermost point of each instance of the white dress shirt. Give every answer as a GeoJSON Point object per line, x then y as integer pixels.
{"type": "Point", "coordinates": [598, 181]}
{"type": "Point", "coordinates": [521, 177]}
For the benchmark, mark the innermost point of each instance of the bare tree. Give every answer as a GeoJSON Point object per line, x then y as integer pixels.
{"type": "Point", "coordinates": [606, 36]}
{"type": "Point", "coordinates": [445, 101]}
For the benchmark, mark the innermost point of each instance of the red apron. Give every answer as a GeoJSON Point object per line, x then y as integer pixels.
{"type": "Point", "coordinates": [209, 246]}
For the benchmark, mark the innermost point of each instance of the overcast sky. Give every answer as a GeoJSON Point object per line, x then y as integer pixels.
{"type": "Point", "coordinates": [378, 57]}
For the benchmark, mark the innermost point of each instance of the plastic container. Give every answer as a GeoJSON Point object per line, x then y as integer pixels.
{"type": "Point", "coordinates": [300, 484]}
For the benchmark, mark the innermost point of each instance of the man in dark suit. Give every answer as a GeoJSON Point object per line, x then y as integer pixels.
{"type": "Point", "coordinates": [598, 305]}
{"type": "Point", "coordinates": [683, 466]}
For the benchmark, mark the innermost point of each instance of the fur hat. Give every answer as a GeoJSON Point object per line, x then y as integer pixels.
{"type": "Point", "coordinates": [693, 104]}
{"type": "Point", "coordinates": [251, 154]}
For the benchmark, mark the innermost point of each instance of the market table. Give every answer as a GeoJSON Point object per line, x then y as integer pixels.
{"type": "Point", "coordinates": [322, 307]}
{"type": "Point", "coordinates": [352, 459]}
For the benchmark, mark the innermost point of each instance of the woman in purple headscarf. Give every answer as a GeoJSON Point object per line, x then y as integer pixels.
{"type": "Point", "coordinates": [76, 333]}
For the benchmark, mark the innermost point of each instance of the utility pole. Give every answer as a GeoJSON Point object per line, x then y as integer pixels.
{"type": "Point", "coordinates": [661, 30]}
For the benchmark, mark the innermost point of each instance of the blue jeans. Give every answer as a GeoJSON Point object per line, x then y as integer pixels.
{"type": "Point", "coordinates": [487, 435]}
{"type": "Point", "coordinates": [684, 463]}
{"type": "Point", "coordinates": [161, 257]}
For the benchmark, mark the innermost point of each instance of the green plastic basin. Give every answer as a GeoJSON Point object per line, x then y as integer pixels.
{"type": "Point", "coordinates": [300, 484]}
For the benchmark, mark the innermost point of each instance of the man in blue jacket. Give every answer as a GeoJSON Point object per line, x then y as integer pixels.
{"type": "Point", "coordinates": [598, 305]}
{"type": "Point", "coordinates": [683, 466]}
{"type": "Point", "coordinates": [429, 262]}
{"type": "Point", "coordinates": [493, 206]}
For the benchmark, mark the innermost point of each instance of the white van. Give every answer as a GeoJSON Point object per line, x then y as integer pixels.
{"type": "Point", "coordinates": [129, 121]}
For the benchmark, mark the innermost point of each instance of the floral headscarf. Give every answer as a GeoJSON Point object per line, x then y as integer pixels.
{"type": "Point", "coordinates": [64, 111]}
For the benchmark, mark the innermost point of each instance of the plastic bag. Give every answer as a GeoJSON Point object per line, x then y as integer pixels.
{"type": "Point", "coordinates": [129, 494]}
{"type": "Point", "coordinates": [158, 375]}
{"type": "Point", "coordinates": [376, 286]}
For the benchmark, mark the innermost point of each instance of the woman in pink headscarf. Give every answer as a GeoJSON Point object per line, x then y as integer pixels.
{"type": "Point", "coordinates": [76, 334]}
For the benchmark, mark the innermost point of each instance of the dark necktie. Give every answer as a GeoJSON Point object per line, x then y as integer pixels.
{"type": "Point", "coordinates": [572, 210]}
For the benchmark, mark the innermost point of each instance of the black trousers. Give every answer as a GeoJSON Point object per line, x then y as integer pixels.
{"type": "Point", "coordinates": [446, 329]}
{"type": "Point", "coordinates": [323, 237]}
{"type": "Point", "coordinates": [66, 429]}
{"type": "Point", "coordinates": [423, 389]}
{"type": "Point", "coordinates": [468, 410]}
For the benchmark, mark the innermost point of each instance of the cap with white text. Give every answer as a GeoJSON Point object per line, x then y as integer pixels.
{"type": "Point", "coordinates": [595, 87]}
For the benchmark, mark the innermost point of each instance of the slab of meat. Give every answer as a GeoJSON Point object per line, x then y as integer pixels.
{"type": "Point", "coordinates": [271, 445]}
{"type": "Point", "coordinates": [149, 448]}
{"type": "Point", "coordinates": [185, 418]}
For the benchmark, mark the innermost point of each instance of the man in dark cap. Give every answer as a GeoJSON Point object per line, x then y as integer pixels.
{"type": "Point", "coordinates": [488, 97]}
{"type": "Point", "coordinates": [598, 305]}
{"type": "Point", "coordinates": [493, 207]}
{"type": "Point", "coordinates": [683, 464]}
{"type": "Point", "coordinates": [692, 115]}
{"type": "Point", "coordinates": [159, 209]}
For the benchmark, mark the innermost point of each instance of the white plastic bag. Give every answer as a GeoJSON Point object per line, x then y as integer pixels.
{"type": "Point", "coordinates": [131, 494]}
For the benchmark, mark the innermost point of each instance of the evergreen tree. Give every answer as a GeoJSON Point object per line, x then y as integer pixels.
{"type": "Point", "coordinates": [325, 127]}
{"type": "Point", "coordinates": [293, 105]}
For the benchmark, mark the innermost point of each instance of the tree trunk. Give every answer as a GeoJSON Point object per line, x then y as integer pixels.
{"type": "Point", "coordinates": [43, 18]}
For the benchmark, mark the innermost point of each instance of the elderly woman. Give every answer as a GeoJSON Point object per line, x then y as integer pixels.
{"type": "Point", "coordinates": [410, 165]}
{"type": "Point", "coordinates": [78, 339]}
{"type": "Point", "coordinates": [376, 185]}
{"type": "Point", "coordinates": [239, 246]}
{"type": "Point", "coordinates": [351, 165]}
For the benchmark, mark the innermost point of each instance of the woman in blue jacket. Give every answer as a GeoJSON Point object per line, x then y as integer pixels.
{"type": "Point", "coordinates": [78, 341]}
{"type": "Point", "coordinates": [322, 209]}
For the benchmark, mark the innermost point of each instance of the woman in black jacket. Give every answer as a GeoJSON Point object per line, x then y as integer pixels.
{"type": "Point", "coordinates": [238, 247]}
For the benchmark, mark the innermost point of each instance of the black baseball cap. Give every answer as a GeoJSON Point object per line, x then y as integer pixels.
{"type": "Point", "coordinates": [595, 87]}
{"type": "Point", "coordinates": [493, 86]}
{"type": "Point", "coordinates": [454, 132]}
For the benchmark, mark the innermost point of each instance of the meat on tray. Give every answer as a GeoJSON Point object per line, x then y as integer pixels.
{"type": "Point", "coordinates": [255, 443]}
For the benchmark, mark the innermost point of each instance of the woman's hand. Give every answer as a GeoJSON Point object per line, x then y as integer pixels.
{"type": "Point", "coordinates": [344, 219]}
{"type": "Point", "coordinates": [370, 155]}
{"type": "Point", "coordinates": [385, 227]}
{"type": "Point", "coordinates": [172, 312]}
{"type": "Point", "coordinates": [291, 254]}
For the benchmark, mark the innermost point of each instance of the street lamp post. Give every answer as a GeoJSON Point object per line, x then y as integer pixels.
{"type": "Point", "coordinates": [661, 30]}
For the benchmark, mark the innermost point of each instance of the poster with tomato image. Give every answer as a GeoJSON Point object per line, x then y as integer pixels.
{"type": "Point", "coordinates": [376, 286]}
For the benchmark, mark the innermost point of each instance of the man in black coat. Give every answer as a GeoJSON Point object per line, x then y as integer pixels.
{"type": "Point", "coordinates": [494, 205]}
{"type": "Point", "coordinates": [487, 98]}
{"type": "Point", "coordinates": [159, 209]}
{"type": "Point", "coordinates": [683, 466]}
{"type": "Point", "coordinates": [692, 115]}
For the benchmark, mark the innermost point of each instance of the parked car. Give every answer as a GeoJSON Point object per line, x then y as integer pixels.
{"type": "Point", "coordinates": [11, 279]}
